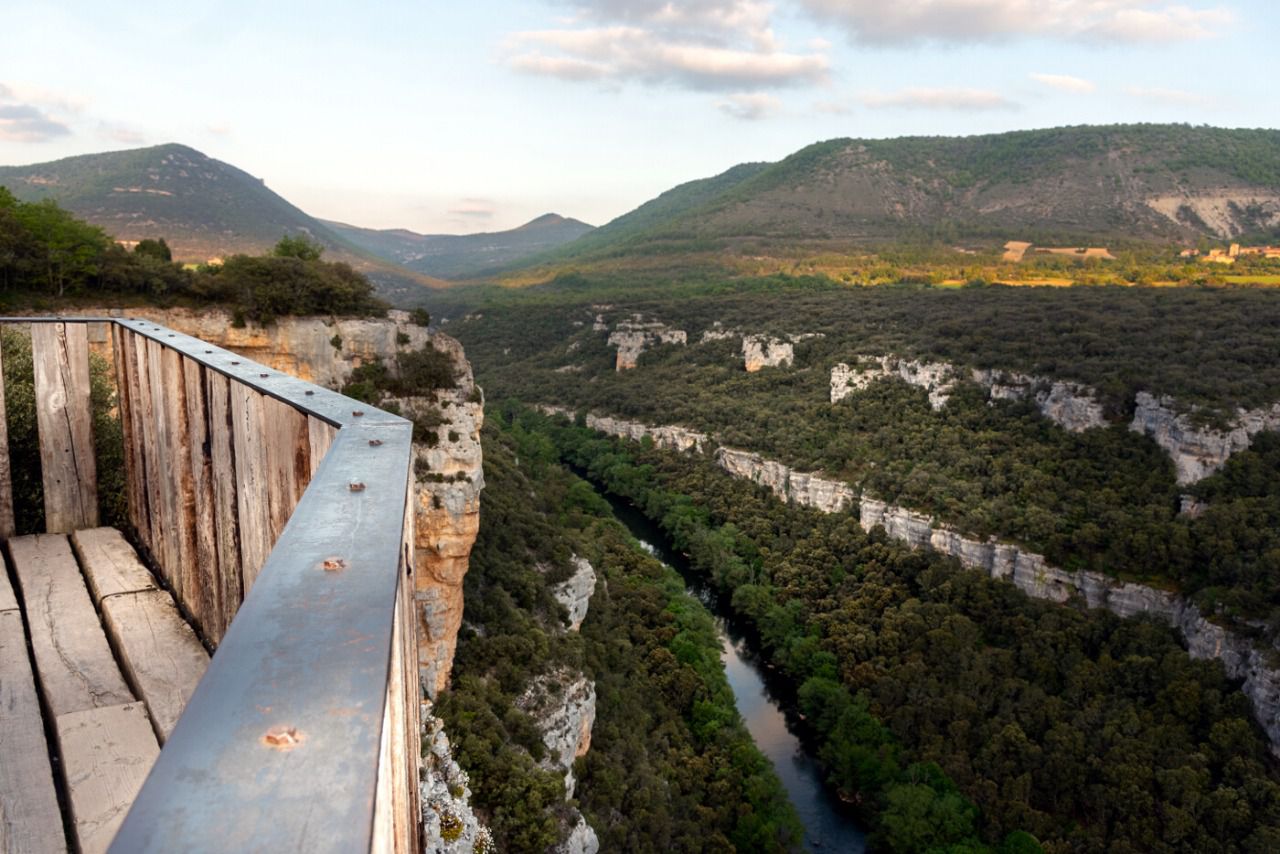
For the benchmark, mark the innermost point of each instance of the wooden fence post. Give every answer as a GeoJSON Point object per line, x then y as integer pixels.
{"type": "Point", "coordinates": [64, 417]}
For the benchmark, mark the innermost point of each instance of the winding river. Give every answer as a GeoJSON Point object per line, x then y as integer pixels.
{"type": "Point", "coordinates": [828, 824]}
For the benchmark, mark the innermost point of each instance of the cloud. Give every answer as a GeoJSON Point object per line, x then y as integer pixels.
{"type": "Point", "coordinates": [971, 100]}
{"type": "Point", "coordinates": [749, 106]}
{"type": "Point", "coordinates": [1171, 97]}
{"type": "Point", "coordinates": [703, 45]}
{"type": "Point", "coordinates": [968, 21]}
{"type": "Point", "coordinates": [25, 123]}
{"type": "Point", "coordinates": [219, 128]}
{"type": "Point", "coordinates": [1065, 83]}
{"type": "Point", "coordinates": [472, 209]}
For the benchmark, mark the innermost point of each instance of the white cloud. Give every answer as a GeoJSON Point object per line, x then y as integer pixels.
{"type": "Point", "coordinates": [471, 209]}
{"type": "Point", "coordinates": [716, 45]}
{"type": "Point", "coordinates": [965, 21]}
{"type": "Point", "coordinates": [1065, 83]}
{"type": "Point", "coordinates": [749, 106]}
{"type": "Point", "coordinates": [972, 100]}
{"type": "Point", "coordinates": [1172, 97]}
{"type": "Point", "coordinates": [24, 119]}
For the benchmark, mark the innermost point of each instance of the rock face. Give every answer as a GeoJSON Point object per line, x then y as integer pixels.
{"type": "Point", "coordinates": [1198, 452]}
{"type": "Point", "coordinates": [1069, 405]}
{"type": "Point", "coordinates": [668, 437]}
{"type": "Point", "coordinates": [563, 705]}
{"type": "Point", "coordinates": [1030, 573]}
{"type": "Point", "coordinates": [449, 826]}
{"type": "Point", "coordinates": [321, 350]}
{"type": "Point", "coordinates": [765, 351]}
{"type": "Point", "coordinates": [582, 840]}
{"type": "Point", "coordinates": [575, 594]}
{"type": "Point", "coordinates": [449, 476]}
{"type": "Point", "coordinates": [718, 332]}
{"type": "Point", "coordinates": [633, 337]}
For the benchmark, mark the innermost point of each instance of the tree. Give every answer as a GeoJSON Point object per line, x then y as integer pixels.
{"type": "Point", "coordinates": [157, 249]}
{"type": "Point", "coordinates": [300, 247]}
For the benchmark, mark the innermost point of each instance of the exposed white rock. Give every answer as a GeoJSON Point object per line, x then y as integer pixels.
{"type": "Point", "coordinates": [718, 332]}
{"type": "Point", "coordinates": [765, 351]}
{"type": "Point", "coordinates": [575, 594]}
{"type": "Point", "coordinates": [633, 337]}
{"type": "Point", "coordinates": [563, 705]}
{"type": "Point", "coordinates": [667, 437]}
{"type": "Point", "coordinates": [449, 826]}
{"type": "Point", "coordinates": [804, 488]}
{"type": "Point", "coordinates": [937, 378]}
{"type": "Point", "coordinates": [582, 839]}
{"type": "Point", "coordinates": [1198, 452]}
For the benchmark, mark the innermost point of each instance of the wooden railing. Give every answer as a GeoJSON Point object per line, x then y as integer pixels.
{"type": "Point", "coordinates": [280, 515]}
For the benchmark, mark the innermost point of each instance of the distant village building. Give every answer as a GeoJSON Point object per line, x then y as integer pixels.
{"type": "Point", "coordinates": [1230, 254]}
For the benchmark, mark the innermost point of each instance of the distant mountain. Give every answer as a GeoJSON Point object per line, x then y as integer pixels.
{"type": "Point", "coordinates": [463, 256]}
{"type": "Point", "coordinates": [202, 207]}
{"type": "Point", "coordinates": [1107, 184]}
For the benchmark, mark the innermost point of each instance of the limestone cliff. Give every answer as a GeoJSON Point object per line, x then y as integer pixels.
{"type": "Point", "coordinates": [563, 706]}
{"type": "Point", "coordinates": [449, 825]}
{"type": "Point", "coordinates": [633, 336]}
{"type": "Point", "coordinates": [575, 593]}
{"type": "Point", "coordinates": [937, 378]}
{"type": "Point", "coordinates": [450, 476]}
{"type": "Point", "coordinates": [322, 350]}
{"type": "Point", "coordinates": [1030, 572]}
{"type": "Point", "coordinates": [1198, 451]}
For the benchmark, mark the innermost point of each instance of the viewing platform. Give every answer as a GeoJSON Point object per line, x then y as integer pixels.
{"type": "Point", "coordinates": [237, 669]}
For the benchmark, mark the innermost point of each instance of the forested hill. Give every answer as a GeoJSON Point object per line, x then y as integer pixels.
{"type": "Point", "coordinates": [464, 256]}
{"type": "Point", "coordinates": [1090, 183]}
{"type": "Point", "coordinates": [203, 208]}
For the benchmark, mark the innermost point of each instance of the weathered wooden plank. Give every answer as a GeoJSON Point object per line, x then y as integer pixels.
{"type": "Point", "coordinates": [288, 461]}
{"type": "Point", "coordinates": [6, 481]}
{"type": "Point", "coordinates": [131, 428]}
{"type": "Point", "coordinates": [205, 573]}
{"type": "Point", "coordinates": [148, 449]}
{"type": "Point", "coordinates": [29, 816]}
{"type": "Point", "coordinates": [8, 602]}
{"type": "Point", "coordinates": [225, 508]}
{"type": "Point", "coordinates": [321, 435]}
{"type": "Point", "coordinates": [106, 755]}
{"type": "Point", "coordinates": [168, 557]}
{"type": "Point", "coordinates": [161, 656]}
{"type": "Point", "coordinates": [110, 564]}
{"type": "Point", "coordinates": [77, 670]}
{"type": "Point", "coordinates": [252, 479]}
{"type": "Point", "coordinates": [64, 417]}
{"type": "Point", "coordinates": [185, 573]}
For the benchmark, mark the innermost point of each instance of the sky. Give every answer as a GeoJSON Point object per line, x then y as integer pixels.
{"type": "Point", "coordinates": [457, 117]}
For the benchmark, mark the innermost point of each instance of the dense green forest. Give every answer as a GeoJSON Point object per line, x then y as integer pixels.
{"type": "Point", "coordinates": [957, 712]}
{"type": "Point", "coordinates": [49, 258]}
{"type": "Point", "coordinates": [1104, 500]}
{"type": "Point", "coordinates": [671, 767]}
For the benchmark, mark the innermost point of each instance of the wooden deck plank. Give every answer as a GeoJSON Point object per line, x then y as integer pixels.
{"type": "Point", "coordinates": [106, 754]}
{"type": "Point", "coordinates": [64, 417]}
{"type": "Point", "coordinates": [160, 654]}
{"type": "Point", "coordinates": [76, 667]}
{"type": "Point", "coordinates": [110, 564]}
{"type": "Point", "coordinates": [29, 816]}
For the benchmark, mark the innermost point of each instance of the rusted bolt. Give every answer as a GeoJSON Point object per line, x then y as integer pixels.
{"type": "Point", "coordinates": [264, 376]}
{"type": "Point", "coordinates": [356, 487]}
{"type": "Point", "coordinates": [357, 412]}
{"type": "Point", "coordinates": [283, 738]}
{"type": "Point", "coordinates": [373, 443]}
{"type": "Point", "coordinates": [333, 564]}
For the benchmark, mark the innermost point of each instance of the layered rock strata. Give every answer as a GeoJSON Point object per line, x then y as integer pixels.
{"type": "Point", "coordinates": [668, 437]}
{"type": "Point", "coordinates": [1198, 451]}
{"type": "Point", "coordinates": [1030, 573]}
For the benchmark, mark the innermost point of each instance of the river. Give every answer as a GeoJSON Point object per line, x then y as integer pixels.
{"type": "Point", "coordinates": [828, 824]}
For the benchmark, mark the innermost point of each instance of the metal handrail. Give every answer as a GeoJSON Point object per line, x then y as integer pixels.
{"type": "Point", "coordinates": [281, 745]}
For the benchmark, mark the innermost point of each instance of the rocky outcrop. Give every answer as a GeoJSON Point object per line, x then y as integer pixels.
{"type": "Point", "coordinates": [1070, 405]}
{"type": "Point", "coordinates": [582, 840]}
{"type": "Point", "coordinates": [667, 437]}
{"type": "Point", "coordinates": [633, 337]}
{"type": "Point", "coordinates": [449, 474]}
{"type": "Point", "coordinates": [937, 378]}
{"type": "Point", "coordinates": [449, 826]}
{"type": "Point", "coordinates": [322, 350]}
{"type": "Point", "coordinates": [765, 351]}
{"type": "Point", "coordinates": [563, 706]}
{"type": "Point", "coordinates": [804, 488]}
{"type": "Point", "coordinates": [718, 332]}
{"type": "Point", "coordinates": [1198, 451]}
{"type": "Point", "coordinates": [575, 594]}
